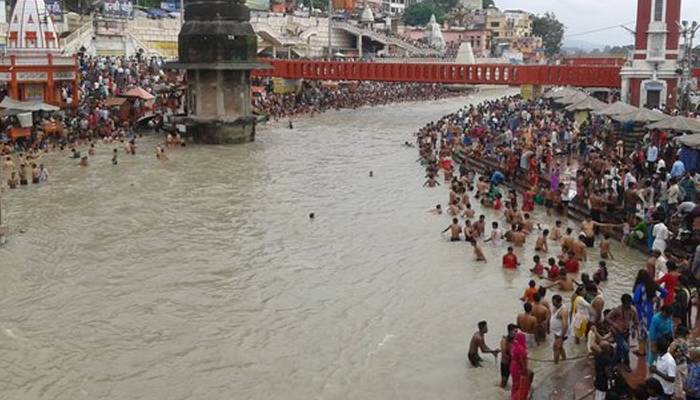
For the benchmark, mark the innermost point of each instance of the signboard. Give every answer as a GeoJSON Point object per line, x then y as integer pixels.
{"type": "Point", "coordinates": [55, 9]}
{"type": "Point", "coordinates": [170, 6]}
{"type": "Point", "coordinates": [63, 75]}
{"type": "Point", "coordinates": [32, 76]}
{"type": "Point", "coordinates": [118, 9]}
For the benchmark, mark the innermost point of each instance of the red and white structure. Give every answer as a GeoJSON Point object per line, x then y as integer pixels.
{"type": "Point", "coordinates": [651, 79]}
{"type": "Point", "coordinates": [33, 66]}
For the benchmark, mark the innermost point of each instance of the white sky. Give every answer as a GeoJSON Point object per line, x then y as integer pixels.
{"type": "Point", "coordinates": [587, 15]}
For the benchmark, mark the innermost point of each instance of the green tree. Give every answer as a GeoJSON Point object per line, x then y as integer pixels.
{"type": "Point", "coordinates": [551, 30]}
{"type": "Point", "coordinates": [419, 14]}
{"type": "Point", "coordinates": [488, 4]}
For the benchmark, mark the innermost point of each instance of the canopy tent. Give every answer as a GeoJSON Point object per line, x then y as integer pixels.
{"type": "Point", "coordinates": [587, 104]}
{"type": "Point", "coordinates": [561, 92]}
{"type": "Point", "coordinates": [139, 93]}
{"type": "Point", "coordinates": [572, 98]}
{"type": "Point", "coordinates": [641, 115]}
{"type": "Point", "coordinates": [12, 104]}
{"type": "Point", "coordinates": [616, 109]}
{"type": "Point", "coordinates": [678, 124]}
{"type": "Point", "coordinates": [692, 141]}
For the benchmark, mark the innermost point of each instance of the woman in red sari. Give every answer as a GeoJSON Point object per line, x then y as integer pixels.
{"type": "Point", "coordinates": [518, 368]}
{"type": "Point", "coordinates": [529, 200]}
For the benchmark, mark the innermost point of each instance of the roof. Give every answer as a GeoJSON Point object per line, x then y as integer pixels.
{"type": "Point", "coordinates": [12, 104]}
{"type": "Point", "coordinates": [31, 28]}
{"type": "Point", "coordinates": [138, 92]}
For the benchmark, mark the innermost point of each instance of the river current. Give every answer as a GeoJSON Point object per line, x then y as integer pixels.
{"type": "Point", "coordinates": [204, 278]}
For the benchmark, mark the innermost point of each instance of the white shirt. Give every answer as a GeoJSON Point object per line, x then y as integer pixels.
{"type": "Point", "coordinates": [660, 233]}
{"type": "Point", "coordinates": [667, 365]}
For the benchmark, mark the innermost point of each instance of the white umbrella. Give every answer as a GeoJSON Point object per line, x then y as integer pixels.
{"type": "Point", "coordinates": [641, 115]}
{"type": "Point", "coordinates": [572, 98]}
{"type": "Point", "coordinates": [587, 104]}
{"type": "Point", "coordinates": [617, 108]}
{"type": "Point", "coordinates": [678, 124]}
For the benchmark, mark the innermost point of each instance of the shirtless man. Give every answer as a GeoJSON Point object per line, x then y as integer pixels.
{"type": "Point", "coordinates": [556, 231]}
{"type": "Point", "coordinates": [468, 213]}
{"type": "Point", "coordinates": [479, 226]}
{"type": "Point", "coordinates": [558, 326]}
{"type": "Point", "coordinates": [13, 181]}
{"type": "Point", "coordinates": [437, 210]}
{"type": "Point", "coordinates": [565, 283]}
{"type": "Point", "coordinates": [455, 230]}
{"type": "Point", "coordinates": [588, 228]}
{"type": "Point", "coordinates": [651, 263]}
{"type": "Point", "coordinates": [528, 225]}
{"type": "Point", "coordinates": [431, 182]}
{"type": "Point", "coordinates": [519, 237]}
{"type": "Point", "coordinates": [541, 243]}
{"type": "Point", "coordinates": [541, 313]}
{"type": "Point", "coordinates": [605, 248]}
{"type": "Point", "coordinates": [527, 322]}
{"type": "Point", "coordinates": [567, 241]}
{"type": "Point", "coordinates": [453, 209]}
{"type": "Point", "coordinates": [579, 249]}
{"type": "Point", "coordinates": [478, 343]}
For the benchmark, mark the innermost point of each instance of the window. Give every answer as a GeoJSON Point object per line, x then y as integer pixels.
{"type": "Point", "coordinates": [658, 10]}
{"type": "Point", "coordinates": [495, 24]}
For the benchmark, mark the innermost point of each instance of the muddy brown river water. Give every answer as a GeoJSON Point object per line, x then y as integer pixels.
{"type": "Point", "coordinates": [203, 278]}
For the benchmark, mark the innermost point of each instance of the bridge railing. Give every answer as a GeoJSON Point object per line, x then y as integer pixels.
{"type": "Point", "coordinates": [489, 74]}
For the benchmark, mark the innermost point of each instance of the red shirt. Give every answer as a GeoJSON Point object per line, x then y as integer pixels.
{"type": "Point", "coordinates": [670, 282]}
{"type": "Point", "coordinates": [539, 269]}
{"type": "Point", "coordinates": [572, 266]}
{"type": "Point", "coordinates": [510, 261]}
{"type": "Point", "coordinates": [554, 272]}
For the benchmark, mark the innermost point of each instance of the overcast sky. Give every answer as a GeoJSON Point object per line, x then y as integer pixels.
{"type": "Point", "coordinates": [586, 15]}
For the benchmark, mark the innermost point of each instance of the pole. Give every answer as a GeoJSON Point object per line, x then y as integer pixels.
{"type": "Point", "coordinates": [182, 13]}
{"type": "Point", "coordinates": [330, 29]}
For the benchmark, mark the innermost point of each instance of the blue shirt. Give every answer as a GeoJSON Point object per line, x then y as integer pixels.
{"type": "Point", "coordinates": [678, 169]}
{"type": "Point", "coordinates": [692, 381]}
{"type": "Point", "coordinates": [660, 326]}
{"type": "Point", "coordinates": [652, 153]}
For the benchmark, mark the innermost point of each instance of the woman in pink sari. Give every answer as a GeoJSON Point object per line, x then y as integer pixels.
{"type": "Point", "coordinates": [518, 368]}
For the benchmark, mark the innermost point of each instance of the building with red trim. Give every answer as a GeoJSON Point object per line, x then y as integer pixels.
{"type": "Point", "coordinates": [33, 67]}
{"type": "Point", "coordinates": [651, 78]}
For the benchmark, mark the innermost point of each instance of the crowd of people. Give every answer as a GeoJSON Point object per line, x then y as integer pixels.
{"type": "Point", "coordinates": [95, 121]}
{"type": "Point", "coordinates": [541, 157]}
{"type": "Point", "coordinates": [316, 97]}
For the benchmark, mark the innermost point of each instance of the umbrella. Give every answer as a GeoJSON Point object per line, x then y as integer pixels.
{"type": "Point", "coordinates": [572, 98]}
{"type": "Point", "coordinates": [641, 115]}
{"type": "Point", "coordinates": [587, 104]}
{"type": "Point", "coordinates": [692, 141]}
{"type": "Point", "coordinates": [13, 104]}
{"type": "Point", "coordinates": [617, 108]}
{"type": "Point", "coordinates": [139, 93]}
{"type": "Point", "coordinates": [678, 124]}
{"type": "Point", "coordinates": [560, 92]}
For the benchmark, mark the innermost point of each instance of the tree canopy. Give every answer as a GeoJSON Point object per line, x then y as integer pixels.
{"type": "Point", "coordinates": [551, 30]}
{"type": "Point", "coordinates": [419, 14]}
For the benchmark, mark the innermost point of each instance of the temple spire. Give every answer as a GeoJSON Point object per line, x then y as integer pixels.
{"type": "Point", "coordinates": [31, 28]}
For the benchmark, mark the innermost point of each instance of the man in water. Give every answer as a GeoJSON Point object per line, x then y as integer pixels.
{"type": "Point", "coordinates": [558, 326]}
{"type": "Point", "coordinates": [621, 320]}
{"type": "Point", "coordinates": [478, 343]}
{"type": "Point", "coordinates": [455, 230]}
{"type": "Point", "coordinates": [114, 157]}
{"type": "Point", "coordinates": [13, 181]}
{"type": "Point", "coordinates": [527, 322]}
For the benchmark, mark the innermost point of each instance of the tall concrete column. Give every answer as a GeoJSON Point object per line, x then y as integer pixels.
{"type": "Point", "coordinates": [359, 45]}
{"type": "Point", "coordinates": [625, 90]}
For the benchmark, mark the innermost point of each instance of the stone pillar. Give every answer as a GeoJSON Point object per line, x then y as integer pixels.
{"type": "Point", "coordinates": [274, 51]}
{"type": "Point", "coordinates": [359, 46]}
{"type": "Point", "coordinates": [625, 90]}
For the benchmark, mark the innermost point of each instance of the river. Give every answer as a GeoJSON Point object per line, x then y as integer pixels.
{"type": "Point", "coordinates": [204, 278]}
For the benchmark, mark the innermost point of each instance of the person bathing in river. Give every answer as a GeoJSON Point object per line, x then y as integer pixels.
{"type": "Point", "coordinates": [478, 254]}
{"type": "Point", "coordinates": [605, 248]}
{"type": "Point", "coordinates": [455, 230]}
{"type": "Point", "coordinates": [541, 243]}
{"type": "Point", "coordinates": [478, 343]}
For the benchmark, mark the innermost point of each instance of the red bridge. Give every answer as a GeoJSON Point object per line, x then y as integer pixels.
{"type": "Point", "coordinates": [488, 74]}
